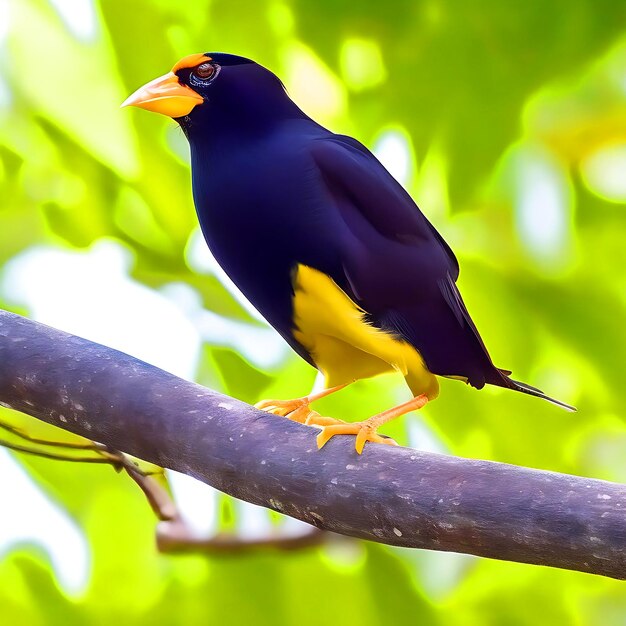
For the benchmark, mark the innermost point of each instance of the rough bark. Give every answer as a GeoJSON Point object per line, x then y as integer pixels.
{"type": "Point", "coordinates": [391, 495]}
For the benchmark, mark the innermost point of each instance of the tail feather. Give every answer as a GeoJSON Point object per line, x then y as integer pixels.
{"type": "Point", "coordinates": [533, 391]}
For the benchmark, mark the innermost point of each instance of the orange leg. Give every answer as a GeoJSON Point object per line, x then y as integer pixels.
{"type": "Point", "coordinates": [366, 430]}
{"type": "Point", "coordinates": [298, 409]}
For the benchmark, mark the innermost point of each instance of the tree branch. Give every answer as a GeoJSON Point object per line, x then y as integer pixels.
{"type": "Point", "coordinates": [389, 494]}
{"type": "Point", "coordinates": [175, 538]}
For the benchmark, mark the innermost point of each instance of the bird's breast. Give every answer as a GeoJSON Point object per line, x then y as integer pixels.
{"type": "Point", "coordinates": [264, 205]}
{"type": "Point", "coordinates": [262, 213]}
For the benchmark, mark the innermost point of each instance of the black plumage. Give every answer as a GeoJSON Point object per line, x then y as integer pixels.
{"type": "Point", "coordinates": [276, 191]}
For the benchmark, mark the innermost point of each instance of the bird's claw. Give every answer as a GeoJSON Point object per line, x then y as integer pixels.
{"type": "Point", "coordinates": [297, 410]}
{"type": "Point", "coordinates": [315, 419]}
{"type": "Point", "coordinates": [364, 432]}
{"type": "Point", "coordinates": [280, 406]}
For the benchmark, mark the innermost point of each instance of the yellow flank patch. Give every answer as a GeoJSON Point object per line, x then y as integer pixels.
{"type": "Point", "coordinates": [190, 60]}
{"type": "Point", "coordinates": [343, 345]}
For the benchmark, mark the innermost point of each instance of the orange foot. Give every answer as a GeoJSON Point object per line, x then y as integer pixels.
{"type": "Point", "coordinates": [298, 409]}
{"type": "Point", "coordinates": [366, 430]}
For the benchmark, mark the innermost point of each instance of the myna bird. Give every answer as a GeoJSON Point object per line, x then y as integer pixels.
{"type": "Point", "coordinates": [322, 240]}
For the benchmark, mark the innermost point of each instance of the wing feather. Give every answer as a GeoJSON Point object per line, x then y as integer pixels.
{"type": "Point", "coordinates": [403, 275]}
{"type": "Point", "coordinates": [349, 166]}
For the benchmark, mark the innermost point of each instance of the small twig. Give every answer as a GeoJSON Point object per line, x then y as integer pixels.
{"type": "Point", "coordinates": [107, 456]}
{"type": "Point", "coordinates": [57, 457]}
{"type": "Point", "coordinates": [71, 445]}
{"type": "Point", "coordinates": [122, 461]}
{"type": "Point", "coordinates": [158, 497]}
{"type": "Point", "coordinates": [175, 537]}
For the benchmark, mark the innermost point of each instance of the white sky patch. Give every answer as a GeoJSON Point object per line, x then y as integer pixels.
{"type": "Point", "coordinates": [5, 20]}
{"type": "Point", "coordinates": [604, 172]}
{"type": "Point", "coordinates": [261, 345]}
{"type": "Point", "coordinates": [79, 17]}
{"type": "Point", "coordinates": [201, 260]}
{"type": "Point", "coordinates": [253, 522]}
{"type": "Point", "coordinates": [292, 527]}
{"type": "Point", "coordinates": [196, 501]}
{"type": "Point", "coordinates": [423, 438]}
{"type": "Point", "coordinates": [6, 96]}
{"type": "Point", "coordinates": [393, 150]}
{"type": "Point", "coordinates": [25, 508]}
{"type": "Point", "coordinates": [91, 295]}
{"type": "Point", "coordinates": [542, 208]}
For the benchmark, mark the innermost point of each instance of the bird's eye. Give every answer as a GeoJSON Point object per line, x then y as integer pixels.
{"type": "Point", "coordinates": [204, 71]}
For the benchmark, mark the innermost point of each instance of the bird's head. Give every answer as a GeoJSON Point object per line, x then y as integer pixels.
{"type": "Point", "coordinates": [210, 88]}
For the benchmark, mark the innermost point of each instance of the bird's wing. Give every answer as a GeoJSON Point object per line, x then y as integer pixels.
{"type": "Point", "coordinates": [350, 169]}
{"type": "Point", "coordinates": [452, 296]}
{"type": "Point", "coordinates": [397, 265]}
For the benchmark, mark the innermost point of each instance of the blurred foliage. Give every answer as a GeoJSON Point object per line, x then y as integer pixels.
{"type": "Point", "coordinates": [512, 117]}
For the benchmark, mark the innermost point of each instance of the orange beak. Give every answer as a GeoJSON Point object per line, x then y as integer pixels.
{"type": "Point", "coordinates": [165, 95]}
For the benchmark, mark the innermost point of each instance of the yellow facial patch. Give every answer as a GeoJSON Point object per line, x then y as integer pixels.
{"type": "Point", "coordinates": [343, 345]}
{"type": "Point", "coordinates": [190, 61]}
